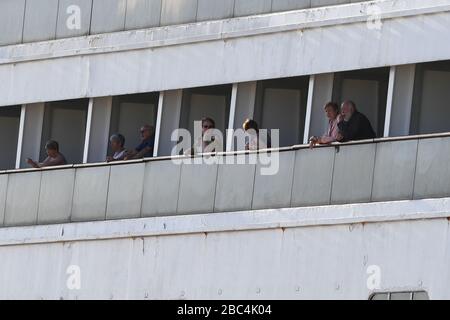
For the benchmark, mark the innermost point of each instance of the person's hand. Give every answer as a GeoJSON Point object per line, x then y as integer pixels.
{"type": "Point", "coordinates": [109, 159]}
{"type": "Point", "coordinates": [189, 152]}
{"type": "Point", "coordinates": [339, 137]}
{"type": "Point", "coordinates": [32, 163]}
{"type": "Point", "coordinates": [313, 141]}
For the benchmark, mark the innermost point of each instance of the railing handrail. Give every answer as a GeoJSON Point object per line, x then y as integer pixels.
{"type": "Point", "coordinates": [230, 153]}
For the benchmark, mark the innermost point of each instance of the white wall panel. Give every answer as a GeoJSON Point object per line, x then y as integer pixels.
{"type": "Point", "coordinates": [143, 14]}
{"type": "Point", "coordinates": [11, 21]}
{"type": "Point", "coordinates": [90, 194]}
{"type": "Point", "coordinates": [55, 196]}
{"type": "Point", "coordinates": [178, 11]}
{"type": "Point", "coordinates": [125, 190]}
{"type": "Point", "coordinates": [40, 20]}
{"type": "Point", "coordinates": [22, 199]}
{"type": "Point", "coordinates": [108, 16]}
{"type": "Point", "coordinates": [153, 258]}
{"type": "Point", "coordinates": [249, 7]}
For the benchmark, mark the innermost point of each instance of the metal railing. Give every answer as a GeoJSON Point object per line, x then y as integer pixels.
{"type": "Point", "coordinates": [406, 168]}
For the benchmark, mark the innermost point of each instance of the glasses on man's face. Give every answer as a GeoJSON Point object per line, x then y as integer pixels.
{"type": "Point", "coordinates": [207, 127]}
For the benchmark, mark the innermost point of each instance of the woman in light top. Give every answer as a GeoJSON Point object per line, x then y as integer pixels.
{"type": "Point", "coordinates": [331, 135]}
{"type": "Point", "coordinates": [254, 139]}
{"type": "Point", "coordinates": [117, 143]}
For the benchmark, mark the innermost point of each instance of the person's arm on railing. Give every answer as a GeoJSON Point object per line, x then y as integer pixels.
{"type": "Point", "coordinates": [33, 163]}
{"type": "Point", "coordinates": [48, 162]}
{"type": "Point", "coordinates": [143, 152]}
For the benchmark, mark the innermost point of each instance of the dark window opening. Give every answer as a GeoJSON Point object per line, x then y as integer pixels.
{"type": "Point", "coordinates": [281, 104]}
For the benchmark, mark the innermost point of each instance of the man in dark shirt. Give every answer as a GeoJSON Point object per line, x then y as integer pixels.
{"type": "Point", "coordinates": [145, 148]}
{"type": "Point", "coordinates": [354, 125]}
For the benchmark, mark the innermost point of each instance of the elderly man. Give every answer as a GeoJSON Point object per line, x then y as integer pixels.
{"type": "Point", "coordinates": [145, 149]}
{"type": "Point", "coordinates": [354, 125]}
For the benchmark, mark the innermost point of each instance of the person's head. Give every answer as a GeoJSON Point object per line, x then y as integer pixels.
{"type": "Point", "coordinates": [147, 132]}
{"type": "Point", "coordinates": [208, 123]}
{"type": "Point", "coordinates": [348, 109]}
{"type": "Point", "coordinates": [250, 124]}
{"type": "Point", "coordinates": [331, 110]}
{"type": "Point", "coordinates": [52, 148]}
{"type": "Point", "coordinates": [117, 142]}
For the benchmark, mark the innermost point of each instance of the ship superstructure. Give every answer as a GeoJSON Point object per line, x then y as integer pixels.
{"type": "Point", "coordinates": [364, 219]}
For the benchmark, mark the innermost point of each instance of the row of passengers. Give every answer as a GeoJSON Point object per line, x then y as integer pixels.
{"type": "Point", "coordinates": [117, 141]}
{"type": "Point", "coordinates": [347, 125]}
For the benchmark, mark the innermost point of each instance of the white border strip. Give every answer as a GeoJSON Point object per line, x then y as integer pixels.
{"type": "Point", "coordinates": [229, 142]}
{"type": "Point", "coordinates": [226, 222]}
{"type": "Point", "coordinates": [23, 110]}
{"type": "Point", "coordinates": [309, 106]}
{"type": "Point", "coordinates": [390, 100]}
{"type": "Point", "coordinates": [87, 138]}
{"type": "Point", "coordinates": [158, 123]}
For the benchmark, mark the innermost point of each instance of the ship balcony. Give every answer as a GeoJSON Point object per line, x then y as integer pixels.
{"type": "Point", "coordinates": [408, 168]}
{"type": "Point", "coordinates": [81, 90]}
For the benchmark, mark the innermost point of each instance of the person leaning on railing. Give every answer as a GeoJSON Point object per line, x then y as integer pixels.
{"type": "Point", "coordinates": [145, 148]}
{"type": "Point", "coordinates": [54, 157]}
{"type": "Point", "coordinates": [354, 125]}
{"type": "Point", "coordinates": [117, 143]}
{"type": "Point", "coordinates": [331, 135]}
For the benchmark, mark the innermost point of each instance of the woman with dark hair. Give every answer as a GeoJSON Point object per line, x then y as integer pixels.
{"type": "Point", "coordinates": [332, 133]}
{"type": "Point", "coordinates": [254, 140]}
{"type": "Point", "coordinates": [54, 157]}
